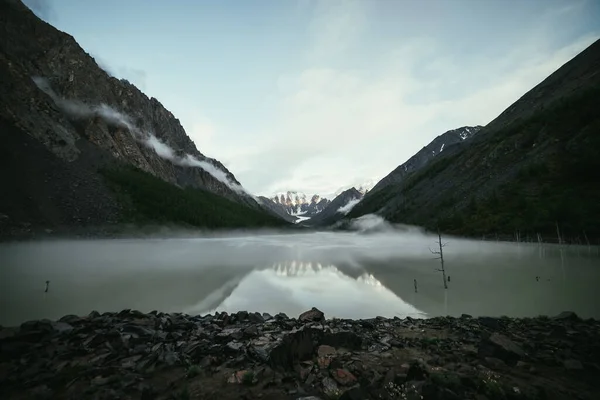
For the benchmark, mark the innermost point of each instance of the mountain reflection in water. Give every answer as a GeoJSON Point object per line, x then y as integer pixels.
{"type": "Point", "coordinates": [295, 286]}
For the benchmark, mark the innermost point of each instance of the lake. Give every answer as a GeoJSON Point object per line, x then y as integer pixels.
{"type": "Point", "coordinates": [346, 275]}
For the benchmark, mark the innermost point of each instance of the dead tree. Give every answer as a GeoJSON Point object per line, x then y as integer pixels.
{"type": "Point", "coordinates": [440, 253]}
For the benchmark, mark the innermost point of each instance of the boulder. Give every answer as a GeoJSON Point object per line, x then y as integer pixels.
{"type": "Point", "coordinates": [501, 347]}
{"type": "Point", "coordinates": [566, 315]}
{"type": "Point", "coordinates": [293, 348]}
{"type": "Point", "coordinates": [312, 315]}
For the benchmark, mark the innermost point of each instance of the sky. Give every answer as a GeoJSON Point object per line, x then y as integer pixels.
{"type": "Point", "coordinates": [321, 95]}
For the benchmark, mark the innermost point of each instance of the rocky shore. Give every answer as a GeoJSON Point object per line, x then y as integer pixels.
{"type": "Point", "coordinates": [132, 355]}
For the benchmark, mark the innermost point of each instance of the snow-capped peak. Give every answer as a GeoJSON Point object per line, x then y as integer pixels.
{"type": "Point", "coordinates": [298, 203]}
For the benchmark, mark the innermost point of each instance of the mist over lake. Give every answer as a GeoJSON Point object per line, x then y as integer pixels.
{"type": "Point", "coordinates": [347, 275]}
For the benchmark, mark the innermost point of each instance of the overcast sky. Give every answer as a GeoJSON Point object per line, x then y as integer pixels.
{"type": "Point", "coordinates": [315, 95]}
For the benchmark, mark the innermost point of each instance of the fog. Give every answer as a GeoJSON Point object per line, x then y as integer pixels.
{"type": "Point", "coordinates": [348, 275]}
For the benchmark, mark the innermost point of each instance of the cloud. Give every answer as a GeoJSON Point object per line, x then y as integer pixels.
{"type": "Point", "coordinates": [78, 109]}
{"type": "Point", "coordinates": [42, 8]}
{"type": "Point", "coordinates": [349, 206]}
{"type": "Point", "coordinates": [336, 123]}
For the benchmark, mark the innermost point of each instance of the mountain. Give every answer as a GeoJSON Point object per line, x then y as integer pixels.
{"type": "Point", "coordinates": [531, 170]}
{"type": "Point", "coordinates": [442, 143]}
{"type": "Point", "coordinates": [337, 209]}
{"type": "Point", "coordinates": [72, 133]}
{"type": "Point", "coordinates": [297, 203]}
{"type": "Point", "coordinates": [446, 142]}
{"type": "Point", "coordinates": [276, 209]}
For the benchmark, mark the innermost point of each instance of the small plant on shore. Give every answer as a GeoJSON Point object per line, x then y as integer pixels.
{"type": "Point", "coordinates": [193, 370]}
{"type": "Point", "coordinates": [333, 394]}
{"type": "Point", "coordinates": [248, 378]}
{"type": "Point", "coordinates": [182, 394]}
{"type": "Point", "coordinates": [490, 386]}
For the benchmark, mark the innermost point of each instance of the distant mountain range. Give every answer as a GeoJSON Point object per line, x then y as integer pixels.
{"type": "Point", "coordinates": [298, 203]}
{"type": "Point", "coordinates": [337, 208]}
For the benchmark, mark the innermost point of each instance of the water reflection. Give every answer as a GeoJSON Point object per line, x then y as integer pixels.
{"type": "Point", "coordinates": [295, 286]}
{"type": "Point", "coordinates": [344, 274]}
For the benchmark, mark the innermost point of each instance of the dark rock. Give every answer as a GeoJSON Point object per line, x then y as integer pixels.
{"type": "Point", "coordinates": [312, 315]}
{"type": "Point", "coordinates": [355, 394]}
{"type": "Point", "coordinates": [490, 323]}
{"type": "Point", "coordinates": [343, 377]}
{"type": "Point", "coordinates": [573, 365]}
{"type": "Point", "coordinates": [242, 315]}
{"type": "Point", "coordinates": [330, 387]}
{"type": "Point", "coordinates": [325, 350]}
{"type": "Point", "coordinates": [235, 346]}
{"type": "Point", "coordinates": [251, 331]}
{"type": "Point", "coordinates": [139, 330]}
{"type": "Point", "coordinates": [294, 347]}
{"type": "Point", "coordinates": [267, 316]}
{"type": "Point", "coordinates": [567, 315]}
{"type": "Point", "coordinates": [495, 363]}
{"type": "Point", "coordinates": [41, 392]}
{"type": "Point", "coordinates": [345, 339]}
{"type": "Point", "coordinates": [71, 319]}
{"type": "Point", "coordinates": [281, 316]}
{"type": "Point", "coordinates": [417, 372]}
{"type": "Point", "coordinates": [499, 346]}
{"type": "Point", "coordinates": [466, 316]}
{"type": "Point", "coordinates": [256, 318]}
{"type": "Point", "coordinates": [233, 333]}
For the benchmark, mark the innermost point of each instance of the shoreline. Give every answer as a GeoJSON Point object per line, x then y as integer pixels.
{"type": "Point", "coordinates": [134, 355]}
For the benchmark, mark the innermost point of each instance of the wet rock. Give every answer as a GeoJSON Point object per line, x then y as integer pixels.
{"type": "Point", "coordinates": [499, 346]}
{"type": "Point", "coordinates": [312, 315]}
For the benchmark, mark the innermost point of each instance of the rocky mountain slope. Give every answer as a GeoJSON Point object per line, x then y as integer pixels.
{"type": "Point", "coordinates": [337, 209]}
{"type": "Point", "coordinates": [297, 203]}
{"type": "Point", "coordinates": [54, 93]}
{"type": "Point", "coordinates": [529, 171]}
